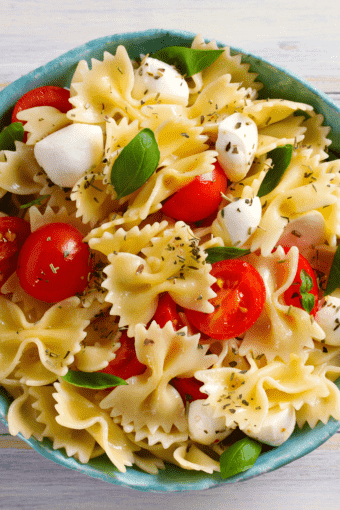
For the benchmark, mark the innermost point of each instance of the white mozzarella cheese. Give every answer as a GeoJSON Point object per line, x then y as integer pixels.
{"type": "Point", "coordinates": [307, 230]}
{"type": "Point", "coordinates": [70, 152]}
{"type": "Point", "coordinates": [236, 145]}
{"type": "Point", "coordinates": [328, 319]}
{"type": "Point", "coordinates": [204, 428]}
{"type": "Point", "coordinates": [238, 220]}
{"type": "Point", "coordinates": [276, 428]}
{"type": "Point", "coordinates": [161, 80]}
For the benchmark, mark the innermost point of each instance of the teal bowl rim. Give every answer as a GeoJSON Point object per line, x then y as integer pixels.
{"type": "Point", "coordinates": [286, 85]}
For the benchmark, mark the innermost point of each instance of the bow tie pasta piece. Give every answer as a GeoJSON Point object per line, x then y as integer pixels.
{"type": "Point", "coordinates": [41, 351]}
{"type": "Point", "coordinates": [316, 135]}
{"type": "Point", "coordinates": [265, 112]}
{"type": "Point", "coordinates": [174, 263]}
{"type": "Point", "coordinates": [33, 414]}
{"type": "Point", "coordinates": [288, 131]}
{"type": "Point", "coordinates": [280, 329]}
{"type": "Point", "coordinates": [77, 409]}
{"type": "Point", "coordinates": [156, 114]}
{"type": "Point", "coordinates": [38, 219]}
{"type": "Point", "coordinates": [105, 90]}
{"type": "Point", "coordinates": [149, 400]}
{"type": "Point", "coordinates": [18, 170]}
{"type": "Point", "coordinates": [226, 64]}
{"type": "Point", "coordinates": [131, 241]}
{"type": "Point", "coordinates": [306, 185]}
{"type": "Point", "coordinates": [245, 397]}
{"type": "Point", "coordinates": [42, 121]}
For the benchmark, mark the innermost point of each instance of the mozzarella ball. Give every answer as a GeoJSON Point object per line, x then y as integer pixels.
{"type": "Point", "coordinates": [69, 153]}
{"type": "Point", "coordinates": [328, 319]}
{"type": "Point", "coordinates": [203, 427]}
{"type": "Point", "coordinates": [276, 428]}
{"type": "Point", "coordinates": [236, 222]}
{"type": "Point", "coordinates": [236, 145]}
{"type": "Point", "coordinates": [160, 81]}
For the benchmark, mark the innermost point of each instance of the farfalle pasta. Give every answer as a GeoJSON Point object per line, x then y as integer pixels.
{"type": "Point", "coordinates": [182, 333]}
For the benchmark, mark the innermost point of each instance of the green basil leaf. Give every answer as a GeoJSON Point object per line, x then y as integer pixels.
{"type": "Point", "coordinates": [239, 457]}
{"type": "Point", "coordinates": [281, 157]}
{"type": "Point", "coordinates": [14, 131]}
{"type": "Point", "coordinates": [135, 164]}
{"type": "Point", "coordinates": [37, 201]}
{"type": "Point", "coordinates": [334, 275]}
{"type": "Point", "coordinates": [306, 281]}
{"type": "Point", "coordinates": [188, 61]}
{"type": "Point", "coordinates": [301, 113]}
{"type": "Point", "coordinates": [224, 253]}
{"type": "Point", "coordinates": [93, 380]}
{"type": "Point", "coordinates": [307, 301]}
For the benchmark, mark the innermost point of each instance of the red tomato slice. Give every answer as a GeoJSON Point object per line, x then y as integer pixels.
{"type": "Point", "coordinates": [188, 388]}
{"type": "Point", "coordinates": [167, 311]}
{"type": "Point", "coordinates": [43, 96]}
{"type": "Point", "coordinates": [13, 233]}
{"type": "Point", "coordinates": [292, 295]}
{"type": "Point", "coordinates": [240, 298]}
{"type": "Point", "coordinates": [54, 263]}
{"type": "Point", "coordinates": [125, 364]}
{"type": "Point", "coordinates": [198, 199]}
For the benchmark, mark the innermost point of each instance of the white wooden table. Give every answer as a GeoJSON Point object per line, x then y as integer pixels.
{"type": "Point", "coordinates": [302, 36]}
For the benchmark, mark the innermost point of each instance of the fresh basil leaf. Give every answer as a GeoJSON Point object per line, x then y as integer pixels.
{"type": "Point", "coordinates": [188, 61]}
{"type": "Point", "coordinates": [239, 457]}
{"type": "Point", "coordinates": [334, 275]}
{"type": "Point", "coordinates": [93, 380]}
{"type": "Point", "coordinates": [37, 201]}
{"type": "Point", "coordinates": [281, 157]}
{"type": "Point", "coordinates": [307, 301]}
{"type": "Point", "coordinates": [10, 134]}
{"type": "Point", "coordinates": [224, 253]}
{"type": "Point", "coordinates": [301, 113]}
{"type": "Point", "coordinates": [306, 281]}
{"type": "Point", "coordinates": [135, 164]}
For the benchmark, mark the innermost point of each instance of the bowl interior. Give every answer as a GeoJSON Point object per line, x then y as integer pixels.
{"type": "Point", "coordinates": [278, 83]}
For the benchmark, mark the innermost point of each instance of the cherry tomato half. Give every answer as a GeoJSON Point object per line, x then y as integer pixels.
{"type": "Point", "coordinates": [292, 295]}
{"type": "Point", "coordinates": [54, 263]}
{"type": "Point", "coordinates": [240, 298]}
{"type": "Point", "coordinates": [43, 96]}
{"type": "Point", "coordinates": [188, 388]}
{"type": "Point", "coordinates": [125, 364]}
{"type": "Point", "coordinates": [167, 311]}
{"type": "Point", "coordinates": [13, 233]}
{"type": "Point", "coordinates": [199, 199]}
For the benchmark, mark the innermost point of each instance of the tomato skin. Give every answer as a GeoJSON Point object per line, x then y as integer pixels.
{"type": "Point", "coordinates": [198, 199]}
{"type": "Point", "coordinates": [167, 311]}
{"type": "Point", "coordinates": [240, 298]}
{"type": "Point", "coordinates": [188, 388]}
{"type": "Point", "coordinates": [47, 95]}
{"type": "Point", "coordinates": [13, 233]}
{"type": "Point", "coordinates": [292, 295]}
{"type": "Point", "coordinates": [125, 364]}
{"type": "Point", "coordinates": [54, 263]}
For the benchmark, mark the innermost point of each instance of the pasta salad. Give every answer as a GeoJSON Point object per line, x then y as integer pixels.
{"type": "Point", "coordinates": [168, 263]}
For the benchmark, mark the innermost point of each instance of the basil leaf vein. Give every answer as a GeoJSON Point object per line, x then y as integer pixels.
{"type": "Point", "coordinates": [188, 61]}
{"type": "Point", "coordinates": [219, 253]}
{"type": "Point", "coordinates": [135, 164]}
{"type": "Point", "coordinates": [10, 134]}
{"type": "Point", "coordinates": [281, 158]}
{"type": "Point", "coordinates": [239, 457]}
{"type": "Point", "coordinates": [334, 275]}
{"type": "Point", "coordinates": [93, 380]}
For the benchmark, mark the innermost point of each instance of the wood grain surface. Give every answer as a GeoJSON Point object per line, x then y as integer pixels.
{"type": "Point", "coordinates": [301, 36]}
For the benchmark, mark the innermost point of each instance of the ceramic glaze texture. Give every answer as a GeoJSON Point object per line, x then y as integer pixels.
{"type": "Point", "coordinates": [277, 83]}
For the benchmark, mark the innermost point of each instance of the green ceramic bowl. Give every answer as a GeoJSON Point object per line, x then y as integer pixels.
{"type": "Point", "coordinates": [278, 83]}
